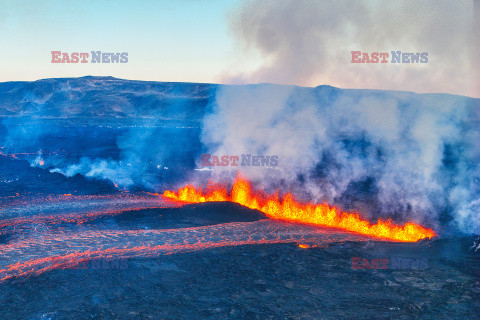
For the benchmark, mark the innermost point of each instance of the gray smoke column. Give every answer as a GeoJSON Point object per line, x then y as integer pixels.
{"type": "Point", "coordinates": [386, 154]}
{"type": "Point", "coordinates": [309, 42]}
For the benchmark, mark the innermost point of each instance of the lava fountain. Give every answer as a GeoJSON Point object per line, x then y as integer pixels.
{"type": "Point", "coordinates": [289, 209]}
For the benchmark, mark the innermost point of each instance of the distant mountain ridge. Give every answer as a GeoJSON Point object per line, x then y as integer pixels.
{"type": "Point", "coordinates": [102, 97]}
{"type": "Point", "coordinates": [109, 97]}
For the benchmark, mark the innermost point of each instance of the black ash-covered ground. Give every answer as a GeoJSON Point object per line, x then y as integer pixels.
{"type": "Point", "coordinates": [276, 281]}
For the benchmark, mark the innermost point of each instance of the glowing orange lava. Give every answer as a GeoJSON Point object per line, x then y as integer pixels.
{"type": "Point", "coordinates": [289, 209]}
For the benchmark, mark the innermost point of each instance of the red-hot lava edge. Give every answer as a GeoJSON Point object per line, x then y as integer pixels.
{"type": "Point", "coordinates": [71, 209]}
{"type": "Point", "coordinates": [47, 251]}
{"type": "Point", "coordinates": [289, 209]}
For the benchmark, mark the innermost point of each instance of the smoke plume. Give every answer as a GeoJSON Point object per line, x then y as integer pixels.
{"type": "Point", "coordinates": [309, 42]}
{"type": "Point", "coordinates": [386, 154]}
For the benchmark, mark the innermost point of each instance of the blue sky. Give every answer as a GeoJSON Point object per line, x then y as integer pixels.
{"type": "Point", "coordinates": [301, 42]}
{"type": "Point", "coordinates": [165, 40]}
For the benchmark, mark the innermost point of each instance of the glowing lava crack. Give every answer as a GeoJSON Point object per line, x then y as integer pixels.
{"type": "Point", "coordinates": [47, 251]}
{"type": "Point", "coordinates": [289, 209]}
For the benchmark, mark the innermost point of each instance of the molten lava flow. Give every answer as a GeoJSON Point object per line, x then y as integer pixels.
{"type": "Point", "coordinates": [43, 251]}
{"type": "Point", "coordinates": [287, 208]}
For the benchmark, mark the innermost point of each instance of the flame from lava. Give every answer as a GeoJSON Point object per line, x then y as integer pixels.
{"type": "Point", "coordinates": [289, 209]}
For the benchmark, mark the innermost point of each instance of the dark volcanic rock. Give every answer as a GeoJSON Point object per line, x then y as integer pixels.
{"type": "Point", "coordinates": [278, 281]}
{"type": "Point", "coordinates": [191, 215]}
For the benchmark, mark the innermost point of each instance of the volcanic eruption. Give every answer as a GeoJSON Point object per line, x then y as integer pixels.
{"type": "Point", "coordinates": [289, 209]}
